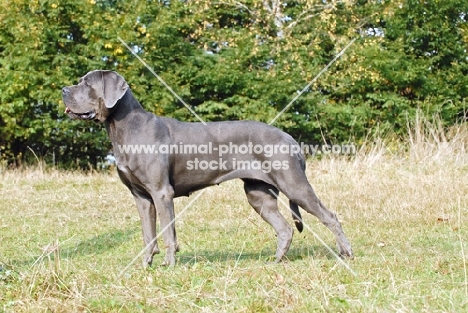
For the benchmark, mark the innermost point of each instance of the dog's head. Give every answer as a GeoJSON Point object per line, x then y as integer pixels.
{"type": "Point", "coordinates": [95, 95]}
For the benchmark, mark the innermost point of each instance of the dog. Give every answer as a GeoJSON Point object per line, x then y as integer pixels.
{"type": "Point", "coordinates": [172, 159]}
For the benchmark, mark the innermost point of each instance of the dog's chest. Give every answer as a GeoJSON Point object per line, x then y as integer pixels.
{"type": "Point", "coordinates": [132, 180]}
{"type": "Point", "coordinates": [123, 170]}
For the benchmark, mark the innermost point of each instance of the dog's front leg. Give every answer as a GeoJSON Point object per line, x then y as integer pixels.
{"type": "Point", "coordinates": [165, 206]}
{"type": "Point", "coordinates": [147, 212]}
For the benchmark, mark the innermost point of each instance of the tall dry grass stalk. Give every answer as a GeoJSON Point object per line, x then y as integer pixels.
{"type": "Point", "coordinates": [400, 172]}
{"type": "Point", "coordinates": [427, 140]}
{"type": "Point", "coordinates": [430, 140]}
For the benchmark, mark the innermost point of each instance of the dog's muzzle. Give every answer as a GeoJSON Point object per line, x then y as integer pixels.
{"type": "Point", "coordinates": [88, 115]}
{"type": "Point", "coordinates": [82, 116]}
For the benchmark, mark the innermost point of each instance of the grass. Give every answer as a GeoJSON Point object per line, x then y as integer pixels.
{"type": "Point", "coordinates": [66, 237]}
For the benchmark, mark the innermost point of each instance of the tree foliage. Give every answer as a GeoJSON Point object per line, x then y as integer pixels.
{"type": "Point", "coordinates": [230, 60]}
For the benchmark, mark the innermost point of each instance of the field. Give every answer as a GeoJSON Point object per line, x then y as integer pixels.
{"type": "Point", "coordinates": [68, 240]}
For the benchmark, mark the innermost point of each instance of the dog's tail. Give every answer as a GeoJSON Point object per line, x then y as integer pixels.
{"type": "Point", "coordinates": [296, 216]}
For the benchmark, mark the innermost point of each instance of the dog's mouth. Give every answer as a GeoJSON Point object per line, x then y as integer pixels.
{"type": "Point", "coordinates": [82, 116]}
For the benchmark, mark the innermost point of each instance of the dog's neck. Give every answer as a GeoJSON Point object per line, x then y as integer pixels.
{"type": "Point", "coordinates": [124, 107]}
{"type": "Point", "coordinates": [121, 113]}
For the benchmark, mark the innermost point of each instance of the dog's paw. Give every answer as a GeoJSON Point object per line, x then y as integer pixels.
{"type": "Point", "coordinates": [346, 252]}
{"type": "Point", "coordinates": [167, 264]}
{"type": "Point", "coordinates": [147, 262]}
{"type": "Point", "coordinates": [169, 260]}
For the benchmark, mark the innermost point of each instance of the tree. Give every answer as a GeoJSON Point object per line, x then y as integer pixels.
{"type": "Point", "coordinates": [230, 60]}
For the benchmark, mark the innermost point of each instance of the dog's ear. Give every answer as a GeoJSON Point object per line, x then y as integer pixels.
{"type": "Point", "coordinates": [114, 88]}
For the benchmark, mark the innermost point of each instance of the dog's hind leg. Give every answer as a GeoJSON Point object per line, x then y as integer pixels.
{"type": "Point", "coordinates": [265, 203]}
{"type": "Point", "coordinates": [306, 198]}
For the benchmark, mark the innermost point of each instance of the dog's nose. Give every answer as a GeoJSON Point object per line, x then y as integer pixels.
{"type": "Point", "coordinates": [65, 91]}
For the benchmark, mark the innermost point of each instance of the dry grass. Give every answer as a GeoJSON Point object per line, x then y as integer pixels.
{"type": "Point", "coordinates": [66, 237]}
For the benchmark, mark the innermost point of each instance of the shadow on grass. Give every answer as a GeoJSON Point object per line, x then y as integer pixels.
{"type": "Point", "coordinates": [95, 245]}
{"type": "Point", "coordinates": [100, 244]}
{"type": "Point", "coordinates": [105, 242]}
{"type": "Point", "coordinates": [265, 255]}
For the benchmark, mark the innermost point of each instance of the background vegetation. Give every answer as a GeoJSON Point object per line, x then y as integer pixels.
{"type": "Point", "coordinates": [230, 60]}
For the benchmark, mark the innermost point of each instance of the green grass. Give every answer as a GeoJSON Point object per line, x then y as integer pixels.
{"type": "Point", "coordinates": [66, 238]}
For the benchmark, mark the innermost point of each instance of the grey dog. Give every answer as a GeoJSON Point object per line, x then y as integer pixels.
{"type": "Point", "coordinates": [190, 156]}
